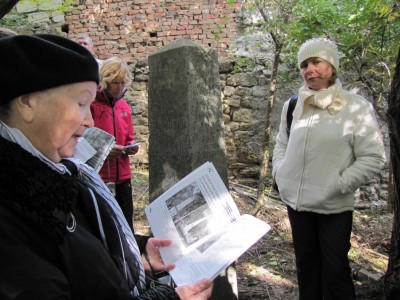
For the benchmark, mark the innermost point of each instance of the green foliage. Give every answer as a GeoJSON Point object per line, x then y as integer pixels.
{"type": "Point", "coordinates": [218, 31]}
{"type": "Point", "coordinates": [367, 33]}
{"type": "Point", "coordinates": [243, 63]}
{"type": "Point", "coordinates": [231, 2]}
{"type": "Point", "coordinates": [13, 20]}
{"type": "Point", "coordinates": [66, 5]}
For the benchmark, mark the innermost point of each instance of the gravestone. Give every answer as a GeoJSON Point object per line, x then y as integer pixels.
{"type": "Point", "coordinates": [186, 124]}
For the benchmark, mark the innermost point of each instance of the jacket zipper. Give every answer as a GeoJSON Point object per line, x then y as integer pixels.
{"type": "Point", "coordinates": [115, 134]}
{"type": "Point", "coordinates": [299, 193]}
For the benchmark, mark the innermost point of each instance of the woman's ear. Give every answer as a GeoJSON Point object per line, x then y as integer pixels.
{"type": "Point", "coordinates": [25, 106]}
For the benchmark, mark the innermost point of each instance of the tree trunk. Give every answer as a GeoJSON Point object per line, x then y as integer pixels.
{"type": "Point", "coordinates": [389, 205]}
{"type": "Point", "coordinates": [392, 276]}
{"type": "Point", "coordinates": [267, 135]}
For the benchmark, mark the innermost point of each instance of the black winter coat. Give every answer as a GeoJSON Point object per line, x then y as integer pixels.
{"type": "Point", "coordinates": [39, 257]}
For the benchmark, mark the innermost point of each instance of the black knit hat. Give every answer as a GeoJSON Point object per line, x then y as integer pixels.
{"type": "Point", "coordinates": [38, 62]}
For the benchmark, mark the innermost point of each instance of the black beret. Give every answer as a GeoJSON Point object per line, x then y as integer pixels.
{"type": "Point", "coordinates": [33, 63]}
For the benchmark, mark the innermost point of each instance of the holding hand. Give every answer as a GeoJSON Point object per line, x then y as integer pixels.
{"type": "Point", "coordinates": [119, 150]}
{"type": "Point", "coordinates": [152, 258]}
{"type": "Point", "coordinates": [199, 290]}
{"type": "Point", "coordinates": [116, 151]}
{"type": "Point", "coordinates": [132, 150]}
{"type": "Point", "coordinates": [152, 261]}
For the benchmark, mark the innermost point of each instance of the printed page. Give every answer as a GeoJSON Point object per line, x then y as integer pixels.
{"type": "Point", "coordinates": [193, 214]}
{"type": "Point", "coordinates": [101, 141]}
{"type": "Point", "coordinates": [83, 150]}
{"type": "Point", "coordinates": [191, 210]}
{"type": "Point", "coordinates": [210, 258]}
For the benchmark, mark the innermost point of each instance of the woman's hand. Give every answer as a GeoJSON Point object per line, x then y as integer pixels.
{"type": "Point", "coordinates": [199, 290]}
{"type": "Point", "coordinates": [154, 262]}
{"type": "Point", "coordinates": [132, 150]}
{"type": "Point", "coordinates": [117, 151]}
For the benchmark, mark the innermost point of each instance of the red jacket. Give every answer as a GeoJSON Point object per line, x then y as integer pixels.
{"type": "Point", "coordinates": [114, 116]}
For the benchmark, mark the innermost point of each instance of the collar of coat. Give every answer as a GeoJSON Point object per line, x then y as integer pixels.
{"type": "Point", "coordinates": [34, 191]}
{"type": "Point", "coordinates": [104, 97]}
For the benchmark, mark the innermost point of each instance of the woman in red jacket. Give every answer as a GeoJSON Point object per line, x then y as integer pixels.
{"type": "Point", "coordinates": [112, 114]}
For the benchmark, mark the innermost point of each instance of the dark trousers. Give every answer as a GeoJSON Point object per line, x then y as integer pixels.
{"type": "Point", "coordinates": [321, 245]}
{"type": "Point", "coordinates": [123, 194]}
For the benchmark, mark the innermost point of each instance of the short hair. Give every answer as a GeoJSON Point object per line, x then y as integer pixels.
{"type": "Point", "coordinates": [84, 36]}
{"type": "Point", "coordinates": [334, 77]}
{"type": "Point", "coordinates": [112, 69]}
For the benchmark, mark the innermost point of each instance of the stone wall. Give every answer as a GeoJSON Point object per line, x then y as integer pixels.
{"type": "Point", "coordinates": [30, 16]}
{"type": "Point", "coordinates": [39, 12]}
{"type": "Point", "coordinates": [243, 93]}
{"type": "Point", "coordinates": [135, 28]}
{"type": "Point", "coordinates": [140, 27]}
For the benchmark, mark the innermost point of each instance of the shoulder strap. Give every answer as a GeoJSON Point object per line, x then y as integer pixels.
{"type": "Point", "coordinates": [289, 114]}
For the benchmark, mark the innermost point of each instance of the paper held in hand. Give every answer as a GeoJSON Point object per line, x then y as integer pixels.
{"type": "Point", "coordinates": [207, 231]}
{"type": "Point", "coordinates": [132, 145]}
{"type": "Point", "coordinates": [94, 147]}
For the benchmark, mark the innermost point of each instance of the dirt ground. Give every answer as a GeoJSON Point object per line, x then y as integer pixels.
{"type": "Point", "coordinates": [267, 270]}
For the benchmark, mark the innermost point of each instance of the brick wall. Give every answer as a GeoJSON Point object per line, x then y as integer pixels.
{"type": "Point", "coordinates": [140, 27]}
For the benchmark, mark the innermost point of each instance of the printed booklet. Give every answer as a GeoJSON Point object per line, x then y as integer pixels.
{"type": "Point", "coordinates": [94, 147]}
{"type": "Point", "coordinates": [207, 231]}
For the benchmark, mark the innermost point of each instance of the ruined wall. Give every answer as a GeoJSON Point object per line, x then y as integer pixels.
{"type": "Point", "coordinates": [243, 94]}
{"type": "Point", "coordinates": [133, 28]}
{"type": "Point", "coordinates": [137, 28]}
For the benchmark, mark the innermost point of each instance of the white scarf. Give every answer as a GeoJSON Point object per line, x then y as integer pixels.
{"type": "Point", "coordinates": [91, 178]}
{"type": "Point", "coordinates": [325, 99]}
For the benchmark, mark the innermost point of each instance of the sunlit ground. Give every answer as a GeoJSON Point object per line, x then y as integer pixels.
{"type": "Point", "coordinates": [267, 270]}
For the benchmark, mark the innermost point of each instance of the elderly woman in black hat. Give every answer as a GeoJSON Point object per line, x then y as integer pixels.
{"type": "Point", "coordinates": [62, 234]}
{"type": "Point", "coordinates": [335, 146]}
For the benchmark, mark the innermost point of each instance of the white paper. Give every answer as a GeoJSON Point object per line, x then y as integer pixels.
{"type": "Point", "coordinates": [132, 145]}
{"type": "Point", "coordinates": [94, 147]}
{"type": "Point", "coordinates": [84, 151]}
{"type": "Point", "coordinates": [207, 231]}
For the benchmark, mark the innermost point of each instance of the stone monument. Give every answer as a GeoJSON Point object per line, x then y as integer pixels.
{"type": "Point", "coordinates": [186, 124]}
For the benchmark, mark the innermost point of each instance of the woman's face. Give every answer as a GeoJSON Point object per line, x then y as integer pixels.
{"type": "Point", "coordinates": [317, 73]}
{"type": "Point", "coordinates": [59, 117]}
{"type": "Point", "coordinates": [115, 87]}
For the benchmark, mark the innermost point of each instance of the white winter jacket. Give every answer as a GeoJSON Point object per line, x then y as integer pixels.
{"type": "Point", "coordinates": [328, 156]}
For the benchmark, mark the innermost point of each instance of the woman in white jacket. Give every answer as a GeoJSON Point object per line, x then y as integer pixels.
{"type": "Point", "coordinates": [335, 146]}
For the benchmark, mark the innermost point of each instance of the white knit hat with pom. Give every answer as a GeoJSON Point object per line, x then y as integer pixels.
{"type": "Point", "coordinates": [319, 47]}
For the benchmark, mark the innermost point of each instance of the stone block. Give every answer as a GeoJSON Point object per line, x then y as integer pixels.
{"type": "Point", "coordinates": [39, 17]}
{"type": "Point", "coordinates": [50, 5]}
{"type": "Point", "coordinates": [58, 17]}
{"type": "Point", "coordinates": [242, 79]}
{"type": "Point", "coordinates": [243, 115]}
{"type": "Point", "coordinates": [26, 6]}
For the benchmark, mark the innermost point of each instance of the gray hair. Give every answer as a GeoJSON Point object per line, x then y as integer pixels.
{"type": "Point", "coordinates": [84, 36]}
